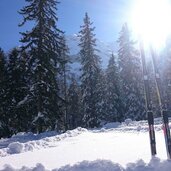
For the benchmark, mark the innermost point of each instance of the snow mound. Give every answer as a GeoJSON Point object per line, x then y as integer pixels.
{"type": "Point", "coordinates": [112, 125]}
{"type": "Point", "coordinates": [102, 165]}
{"type": "Point", "coordinates": [15, 148]}
{"type": "Point", "coordinates": [29, 141]}
{"type": "Point", "coordinates": [128, 121]}
{"type": "Point", "coordinates": [38, 167]}
{"type": "Point", "coordinates": [98, 165]}
{"type": "Point", "coordinates": [133, 126]}
{"type": "Point", "coordinates": [127, 126]}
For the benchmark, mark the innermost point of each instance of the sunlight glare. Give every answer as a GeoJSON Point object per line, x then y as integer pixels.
{"type": "Point", "coordinates": [151, 19]}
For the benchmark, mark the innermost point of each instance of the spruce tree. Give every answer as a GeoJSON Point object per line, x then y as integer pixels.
{"type": "Point", "coordinates": [17, 89]}
{"type": "Point", "coordinates": [63, 79]}
{"type": "Point", "coordinates": [43, 43]}
{"type": "Point", "coordinates": [4, 131]}
{"type": "Point", "coordinates": [91, 75]}
{"type": "Point", "coordinates": [131, 77]}
{"type": "Point", "coordinates": [74, 103]}
{"type": "Point", "coordinates": [113, 101]}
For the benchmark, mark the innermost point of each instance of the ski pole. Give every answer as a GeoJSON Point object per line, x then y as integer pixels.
{"type": "Point", "coordinates": [162, 104]}
{"type": "Point", "coordinates": [149, 111]}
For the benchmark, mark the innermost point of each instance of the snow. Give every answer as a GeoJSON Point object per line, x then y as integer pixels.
{"type": "Point", "coordinates": [39, 115]}
{"type": "Point", "coordinates": [102, 165]}
{"type": "Point", "coordinates": [15, 147]}
{"type": "Point", "coordinates": [22, 101]}
{"type": "Point", "coordinates": [115, 147]}
{"type": "Point", "coordinates": [128, 121]}
{"type": "Point", "coordinates": [112, 125]}
{"type": "Point", "coordinates": [23, 142]}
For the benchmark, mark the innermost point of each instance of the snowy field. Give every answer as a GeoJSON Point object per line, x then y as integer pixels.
{"type": "Point", "coordinates": [115, 147]}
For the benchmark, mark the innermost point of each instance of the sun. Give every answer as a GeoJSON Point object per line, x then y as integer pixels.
{"type": "Point", "coordinates": [151, 19]}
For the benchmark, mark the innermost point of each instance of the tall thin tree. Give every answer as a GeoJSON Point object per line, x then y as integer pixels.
{"type": "Point", "coordinates": [91, 75]}
{"type": "Point", "coordinates": [74, 103]}
{"type": "Point", "coordinates": [113, 101]}
{"type": "Point", "coordinates": [43, 43]}
{"type": "Point", "coordinates": [17, 89]}
{"type": "Point", "coordinates": [4, 129]}
{"type": "Point", "coordinates": [131, 76]}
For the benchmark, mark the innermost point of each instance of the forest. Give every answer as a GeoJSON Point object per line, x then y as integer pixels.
{"type": "Point", "coordinates": [39, 92]}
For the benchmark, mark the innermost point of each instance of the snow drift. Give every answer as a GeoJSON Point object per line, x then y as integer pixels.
{"type": "Point", "coordinates": [103, 165]}
{"type": "Point", "coordinates": [114, 147]}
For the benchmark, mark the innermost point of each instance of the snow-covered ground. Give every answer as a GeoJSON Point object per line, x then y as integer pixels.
{"type": "Point", "coordinates": [115, 147]}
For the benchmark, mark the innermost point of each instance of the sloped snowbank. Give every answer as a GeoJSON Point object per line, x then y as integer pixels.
{"type": "Point", "coordinates": [121, 143]}
{"type": "Point", "coordinates": [15, 148]}
{"type": "Point", "coordinates": [28, 142]}
{"type": "Point", "coordinates": [106, 165]}
{"type": "Point", "coordinates": [103, 165]}
{"type": "Point", "coordinates": [132, 126]}
{"type": "Point", "coordinates": [23, 142]}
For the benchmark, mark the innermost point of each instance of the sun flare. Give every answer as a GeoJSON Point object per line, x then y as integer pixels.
{"type": "Point", "coordinates": [151, 19]}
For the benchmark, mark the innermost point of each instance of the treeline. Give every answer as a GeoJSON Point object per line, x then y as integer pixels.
{"type": "Point", "coordinates": [39, 93]}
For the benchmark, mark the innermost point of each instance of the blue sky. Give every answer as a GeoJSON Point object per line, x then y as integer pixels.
{"type": "Point", "coordinates": [107, 16]}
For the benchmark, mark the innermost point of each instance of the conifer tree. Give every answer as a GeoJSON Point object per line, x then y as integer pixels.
{"type": "Point", "coordinates": [63, 79]}
{"type": "Point", "coordinates": [17, 89]}
{"type": "Point", "coordinates": [43, 43]}
{"type": "Point", "coordinates": [91, 75]}
{"type": "Point", "coordinates": [113, 102]}
{"type": "Point", "coordinates": [4, 131]}
{"type": "Point", "coordinates": [131, 76]}
{"type": "Point", "coordinates": [74, 103]}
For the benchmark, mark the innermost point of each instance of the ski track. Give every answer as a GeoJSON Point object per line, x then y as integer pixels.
{"type": "Point", "coordinates": [111, 147]}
